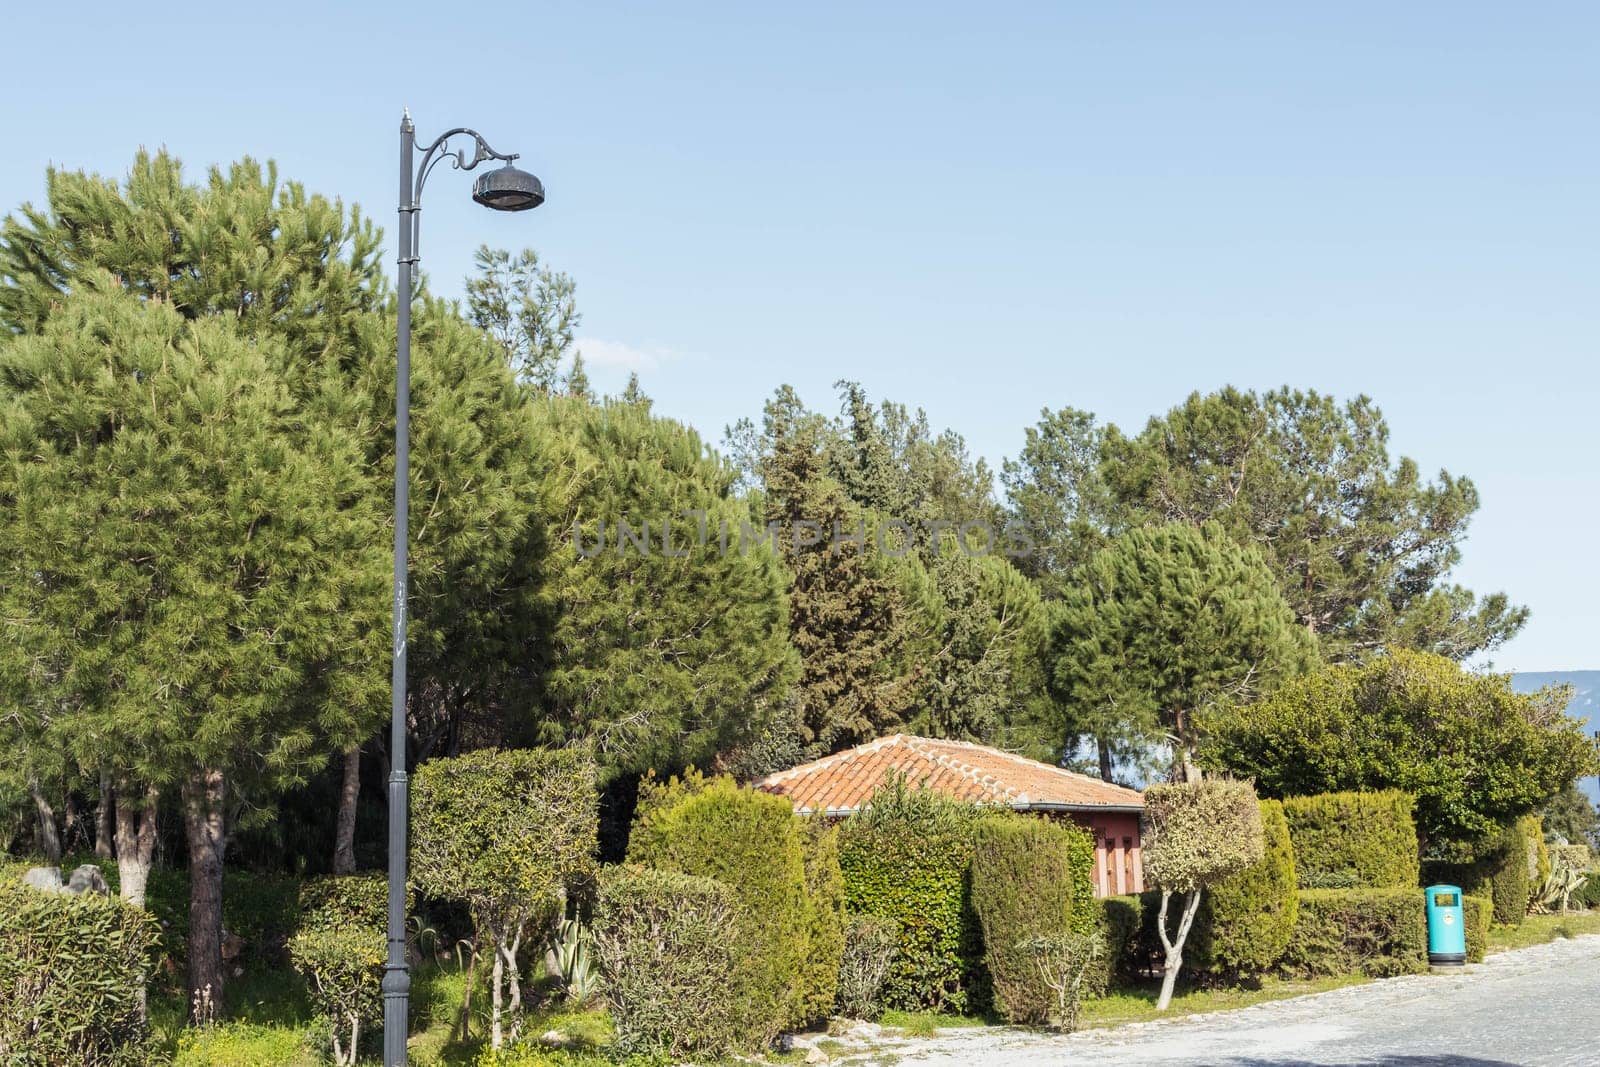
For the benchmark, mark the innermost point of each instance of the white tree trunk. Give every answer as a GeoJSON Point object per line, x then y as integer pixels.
{"type": "Point", "coordinates": [1174, 946]}
{"type": "Point", "coordinates": [496, 1035]}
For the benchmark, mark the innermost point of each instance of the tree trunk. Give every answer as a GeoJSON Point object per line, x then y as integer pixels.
{"type": "Point", "coordinates": [1174, 947]}
{"type": "Point", "coordinates": [1105, 758]}
{"type": "Point", "coordinates": [49, 834]}
{"type": "Point", "coordinates": [105, 817]}
{"type": "Point", "coordinates": [496, 1035]}
{"type": "Point", "coordinates": [344, 839]}
{"type": "Point", "coordinates": [203, 821]}
{"type": "Point", "coordinates": [136, 842]}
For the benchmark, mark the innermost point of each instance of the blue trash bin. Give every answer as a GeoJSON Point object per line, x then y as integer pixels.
{"type": "Point", "coordinates": [1447, 926]}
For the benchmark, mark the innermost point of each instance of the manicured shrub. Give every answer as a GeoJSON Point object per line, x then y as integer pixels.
{"type": "Point", "coordinates": [1588, 895]}
{"type": "Point", "coordinates": [1477, 912]}
{"type": "Point", "coordinates": [1120, 922]}
{"type": "Point", "coordinates": [750, 842]}
{"type": "Point", "coordinates": [72, 979]}
{"type": "Point", "coordinates": [1250, 916]}
{"type": "Point", "coordinates": [667, 948]}
{"type": "Point", "coordinates": [340, 949]}
{"type": "Point", "coordinates": [505, 833]}
{"type": "Point", "coordinates": [1373, 932]}
{"type": "Point", "coordinates": [906, 858]}
{"type": "Point", "coordinates": [1197, 834]}
{"type": "Point", "coordinates": [1510, 874]}
{"type": "Point", "coordinates": [819, 967]}
{"type": "Point", "coordinates": [1028, 883]}
{"type": "Point", "coordinates": [1354, 840]}
{"type": "Point", "coordinates": [870, 943]}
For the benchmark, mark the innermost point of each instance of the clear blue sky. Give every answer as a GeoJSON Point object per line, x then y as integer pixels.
{"type": "Point", "coordinates": [981, 209]}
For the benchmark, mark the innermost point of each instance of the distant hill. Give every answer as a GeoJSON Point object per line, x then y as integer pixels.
{"type": "Point", "coordinates": [1585, 702]}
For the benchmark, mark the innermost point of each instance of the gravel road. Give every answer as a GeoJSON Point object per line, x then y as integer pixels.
{"type": "Point", "coordinates": [1528, 1008]}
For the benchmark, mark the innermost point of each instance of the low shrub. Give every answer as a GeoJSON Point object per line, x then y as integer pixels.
{"type": "Point", "coordinates": [341, 949]}
{"type": "Point", "coordinates": [1249, 917]}
{"type": "Point", "coordinates": [1030, 879]}
{"type": "Point", "coordinates": [870, 943]}
{"type": "Point", "coordinates": [1061, 964]}
{"type": "Point", "coordinates": [666, 946]}
{"type": "Point", "coordinates": [1121, 963]}
{"type": "Point", "coordinates": [824, 933]}
{"type": "Point", "coordinates": [1477, 911]}
{"type": "Point", "coordinates": [906, 857]}
{"type": "Point", "coordinates": [1354, 840]}
{"type": "Point", "coordinates": [1532, 827]}
{"type": "Point", "coordinates": [1373, 932]}
{"type": "Point", "coordinates": [1588, 895]}
{"type": "Point", "coordinates": [73, 971]}
{"type": "Point", "coordinates": [522, 1054]}
{"type": "Point", "coordinates": [750, 842]}
{"type": "Point", "coordinates": [246, 1045]}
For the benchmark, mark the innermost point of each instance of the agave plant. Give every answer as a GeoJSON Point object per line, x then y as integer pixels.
{"type": "Point", "coordinates": [570, 959]}
{"type": "Point", "coordinates": [1568, 871]}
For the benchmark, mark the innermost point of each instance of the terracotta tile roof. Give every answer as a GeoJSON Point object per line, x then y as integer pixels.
{"type": "Point", "coordinates": [845, 781]}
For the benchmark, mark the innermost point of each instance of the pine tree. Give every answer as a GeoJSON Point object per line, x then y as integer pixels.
{"type": "Point", "coordinates": [528, 309]}
{"type": "Point", "coordinates": [1162, 622]}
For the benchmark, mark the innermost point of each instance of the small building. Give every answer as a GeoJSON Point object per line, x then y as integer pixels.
{"type": "Point", "coordinates": [841, 784]}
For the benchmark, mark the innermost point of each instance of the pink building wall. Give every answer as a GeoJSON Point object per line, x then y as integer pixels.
{"type": "Point", "coordinates": [1118, 856]}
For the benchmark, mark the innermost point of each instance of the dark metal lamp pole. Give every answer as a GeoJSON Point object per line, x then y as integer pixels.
{"type": "Point", "coordinates": [506, 189]}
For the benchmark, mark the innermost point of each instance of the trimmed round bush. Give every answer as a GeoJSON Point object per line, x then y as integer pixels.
{"type": "Point", "coordinates": [750, 842]}
{"type": "Point", "coordinates": [1477, 911]}
{"type": "Point", "coordinates": [667, 947]}
{"type": "Point", "coordinates": [340, 949]}
{"type": "Point", "coordinates": [72, 979]}
{"type": "Point", "coordinates": [1031, 878]}
{"type": "Point", "coordinates": [1250, 916]}
{"type": "Point", "coordinates": [1120, 921]}
{"type": "Point", "coordinates": [1510, 873]}
{"type": "Point", "coordinates": [1354, 840]}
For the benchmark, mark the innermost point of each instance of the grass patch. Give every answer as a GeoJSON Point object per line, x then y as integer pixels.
{"type": "Point", "coordinates": [927, 1023]}
{"type": "Point", "coordinates": [1139, 1005]}
{"type": "Point", "coordinates": [1537, 929]}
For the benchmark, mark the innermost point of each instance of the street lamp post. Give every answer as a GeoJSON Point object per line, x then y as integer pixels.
{"type": "Point", "coordinates": [505, 189]}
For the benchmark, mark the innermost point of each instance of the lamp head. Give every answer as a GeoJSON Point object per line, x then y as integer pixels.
{"type": "Point", "coordinates": [508, 189]}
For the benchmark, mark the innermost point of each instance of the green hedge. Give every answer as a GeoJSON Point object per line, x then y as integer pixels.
{"type": "Point", "coordinates": [819, 968]}
{"type": "Point", "coordinates": [1511, 873]}
{"type": "Point", "coordinates": [1250, 916]}
{"type": "Point", "coordinates": [666, 944]}
{"type": "Point", "coordinates": [1374, 932]}
{"type": "Point", "coordinates": [1478, 912]}
{"type": "Point", "coordinates": [750, 842]}
{"type": "Point", "coordinates": [1031, 878]}
{"type": "Point", "coordinates": [1589, 895]}
{"type": "Point", "coordinates": [73, 971]}
{"type": "Point", "coordinates": [1119, 922]}
{"type": "Point", "coordinates": [907, 857]}
{"type": "Point", "coordinates": [1354, 840]}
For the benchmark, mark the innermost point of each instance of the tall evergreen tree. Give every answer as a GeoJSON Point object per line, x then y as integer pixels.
{"type": "Point", "coordinates": [530, 310]}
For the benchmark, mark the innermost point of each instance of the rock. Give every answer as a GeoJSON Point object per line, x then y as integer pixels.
{"type": "Point", "coordinates": [88, 879]}
{"type": "Point", "coordinates": [816, 1055]}
{"type": "Point", "coordinates": [232, 945]}
{"type": "Point", "coordinates": [555, 1039]}
{"type": "Point", "coordinates": [45, 878]}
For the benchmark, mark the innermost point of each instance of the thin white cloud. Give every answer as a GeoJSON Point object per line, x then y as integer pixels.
{"type": "Point", "coordinates": [622, 356]}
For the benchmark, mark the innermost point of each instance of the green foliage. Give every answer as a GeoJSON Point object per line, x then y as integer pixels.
{"type": "Point", "coordinates": [1474, 753]}
{"type": "Point", "coordinates": [1361, 547]}
{"type": "Point", "coordinates": [1162, 622]}
{"type": "Point", "coordinates": [1250, 916]}
{"type": "Point", "coordinates": [667, 944]}
{"type": "Point", "coordinates": [241, 1044]}
{"type": "Point", "coordinates": [1354, 840]}
{"type": "Point", "coordinates": [906, 858]}
{"type": "Point", "coordinates": [346, 900]}
{"type": "Point", "coordinates": [750, 842]}
{"type": "Point", "coordinates": [1375, 932]}
{"type": "Point", "coordinates": [1588, 894]}
{"type": "Point", "coordinates": [1570, 814]}
{"type": "Point", "coordinates": [1510, 873]}
{"type": "Point", "coordinates": [1031, 878]}
{"type": "Point", "coordinates": [1062, 964]}
{"type": "Point", "coordinates": [1197, 833]}
{"type": "Point", "coordinates": [1477, 913]}
{"type": "Point", "coordinates": [1532, 827]}
{"type": "Point", "coordinates": [73, 971]}
{"type": "Point", "coordinates": [1568, 871]}
{"type": "Point", "coordinates": [528, 309]}
{"type": "Point", "coordinates": [824, 935]}
{"type": "Point", "coordinates": [343, 966]}
{"type": "Point", "coordinates": [1121, 921]}
{"type": "Point", "coordinates": [505, 832]}
{"type": "Point", "coordinates": [870, 944]}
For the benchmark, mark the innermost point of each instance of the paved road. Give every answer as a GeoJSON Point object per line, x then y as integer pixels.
{"type": "Point", "coordinates": [1530, 1008]}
